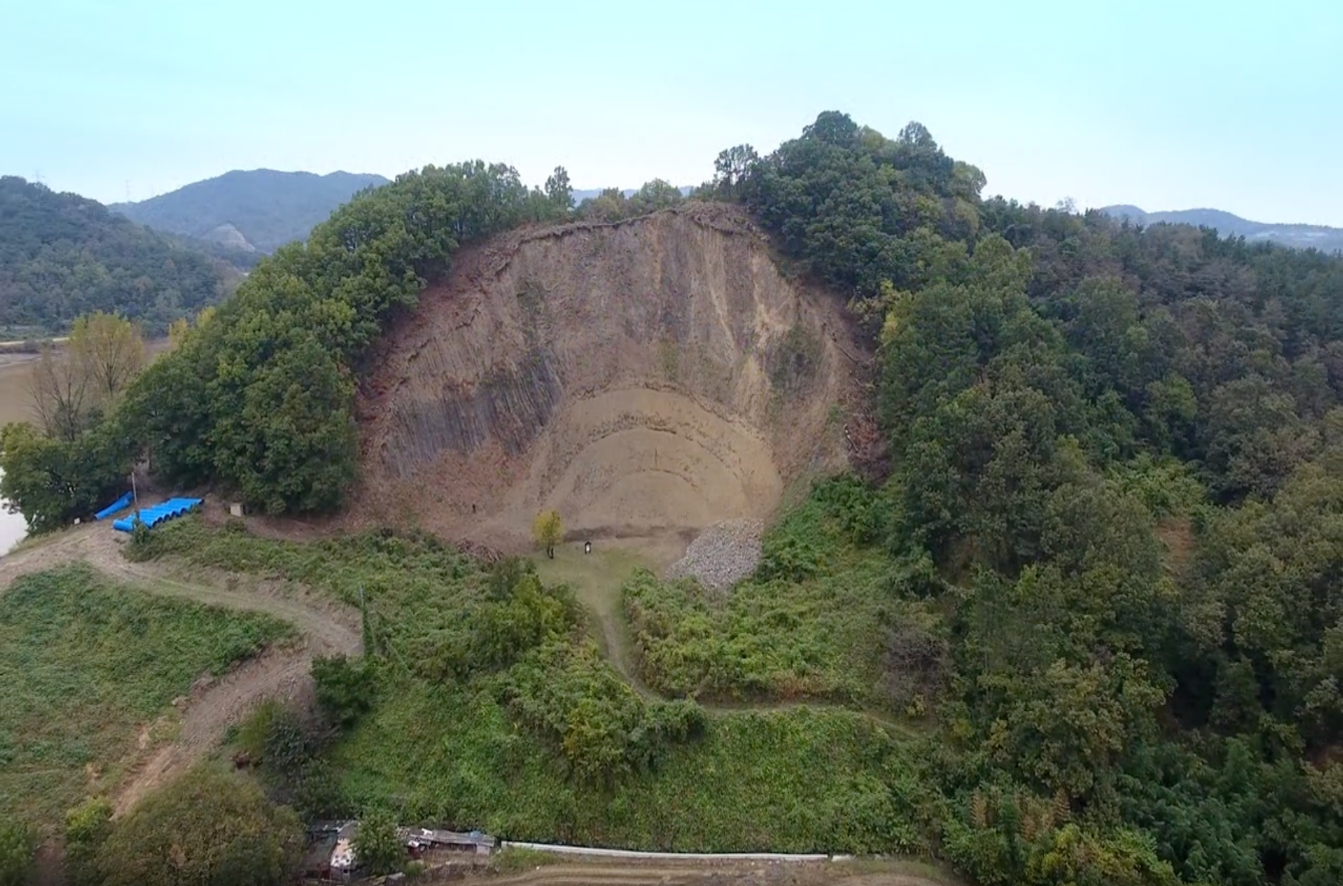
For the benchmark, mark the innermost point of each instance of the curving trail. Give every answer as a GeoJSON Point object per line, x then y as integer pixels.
{"type": "Point", "coordinates": [213, 705]}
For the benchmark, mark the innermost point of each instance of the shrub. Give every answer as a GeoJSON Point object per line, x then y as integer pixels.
{"type": "Point", "coordinates": [207, 827]}
{"type": "Point", "coordinates": [345, 688]}
{"type": "Point", "coordinates": [18, 844]}
{"type": "Point", "coordinates": [789, 558]}
{"type": "Point", "coordinates": [548, 531]}
{"type": "Point", "coordinates": [86, 828]}
{"type": "Point", "coordinates": [254, 731]}
{"type": "Point", "coordinates": [141, 538]}
{"type": "Point", "coordinates": [377, 848]}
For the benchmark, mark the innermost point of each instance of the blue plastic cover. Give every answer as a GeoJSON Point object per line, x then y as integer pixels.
{"type": "Point", "coordinates": [156, 514]}
{"type": "Point", "coordinates": [119, 504]}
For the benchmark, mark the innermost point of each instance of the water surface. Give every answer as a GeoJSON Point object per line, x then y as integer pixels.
{"type": "Point", "coordinates": [12, 527]}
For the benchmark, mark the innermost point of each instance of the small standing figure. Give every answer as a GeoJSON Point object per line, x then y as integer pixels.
{"type": "Point", "coordinates": [587, 547]}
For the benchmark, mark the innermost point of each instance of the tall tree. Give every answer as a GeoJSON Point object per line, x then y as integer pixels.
{"type": "Point", "coordinates": [111, 350]}
{"type": "Point", "coordinates": [75, 383]}
{"type": "Point", "coordinates": [731, 169]}
{"type": "Point", "coordinates": [58, 391]}
{"type": "Point", "coordinates": [558, 191]}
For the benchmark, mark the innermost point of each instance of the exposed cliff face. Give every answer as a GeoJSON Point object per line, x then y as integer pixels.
{"type": "Point", "coordinates": [648, 376]}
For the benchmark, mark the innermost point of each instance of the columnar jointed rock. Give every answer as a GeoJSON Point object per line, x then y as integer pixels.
{"type": "Point", "coordinates": [722, 555]}
{"type": "Point", "coordinates": [643, 379]}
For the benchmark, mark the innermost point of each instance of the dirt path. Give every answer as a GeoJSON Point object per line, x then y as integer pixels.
{"type": "Point", "coordinates": [685, 874]}
{"type": "Point", "coordinates": [213, 704]}
{"type": "Point", "coordinates": [597, 579]}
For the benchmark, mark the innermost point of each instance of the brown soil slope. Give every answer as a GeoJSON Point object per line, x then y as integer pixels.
{"type": "Point", "coordinates": [650, 376]}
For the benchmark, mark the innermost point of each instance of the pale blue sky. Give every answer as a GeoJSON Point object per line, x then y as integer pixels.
{"type": "Point", "coordinates": [1167, 105]}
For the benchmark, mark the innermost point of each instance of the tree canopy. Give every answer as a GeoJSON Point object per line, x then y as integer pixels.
{"type": "Point", "coordinates": [206, 828]}
{"type": "Point", "coordinates": [1119, 449]}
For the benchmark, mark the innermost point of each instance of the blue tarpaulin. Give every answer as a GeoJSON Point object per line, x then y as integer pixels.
{"type": "Point", "coordinates": [156, 514]}
{"type": "Point", "coordinates": [118, 505]}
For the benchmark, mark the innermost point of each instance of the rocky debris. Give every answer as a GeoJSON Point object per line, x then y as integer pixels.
{"type": "Point", "coordinates": [721, 555]}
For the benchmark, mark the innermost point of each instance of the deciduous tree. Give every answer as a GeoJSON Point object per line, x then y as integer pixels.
{"type": "Point", "coordinates": [548, 531]}
{"type": "Point", "coordinates": [377, 848]}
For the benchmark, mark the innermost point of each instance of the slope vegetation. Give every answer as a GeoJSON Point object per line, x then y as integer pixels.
{"type": "Point", "coordinates": [645, 377]}
{"type": "Point", "coordinates": [69, 638]}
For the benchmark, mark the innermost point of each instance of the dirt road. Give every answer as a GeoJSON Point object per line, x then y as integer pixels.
{"type": "Point", "coordinates": [213, 704]}
{"type": "Point", "coordinates": [866, 873]}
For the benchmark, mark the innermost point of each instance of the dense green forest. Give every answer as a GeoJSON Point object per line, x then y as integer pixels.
{"type": "Point", "coordinates": [62, 256]}
{"type": "Point", "coordinates": [266, 208]}
{"type": "Point", "coordinates": [1116, 490]}
{"type": "Point", "coordinates": [1101, 576]}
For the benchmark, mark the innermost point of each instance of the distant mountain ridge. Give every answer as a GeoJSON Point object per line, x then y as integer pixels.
{"type": "Point", "coordinates": [1319, 237]}
{"type": "Point", "coordinates": [593, 193]}
{"type": "Point", "coordinates": [251, 210]}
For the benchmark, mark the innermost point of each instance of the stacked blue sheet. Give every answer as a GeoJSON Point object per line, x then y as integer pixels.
{"type": "Point", "coordinates": [159, 513]}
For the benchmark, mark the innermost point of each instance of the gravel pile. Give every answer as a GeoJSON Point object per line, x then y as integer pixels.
{"type": "Point", "coordinates": [722, 555]}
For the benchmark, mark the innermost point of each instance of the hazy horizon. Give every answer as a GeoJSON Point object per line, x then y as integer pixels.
{"type": "Point", "coordinates": [1141, 104]}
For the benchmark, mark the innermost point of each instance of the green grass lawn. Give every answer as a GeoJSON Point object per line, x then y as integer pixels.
{"type": "Point", "coordinates": [85, 666]}
{"type": "Point", "coordinates": [399, 577]}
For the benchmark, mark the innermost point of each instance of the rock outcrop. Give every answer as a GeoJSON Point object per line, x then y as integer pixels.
{"type": "Point", "coordinates": [653, 375]}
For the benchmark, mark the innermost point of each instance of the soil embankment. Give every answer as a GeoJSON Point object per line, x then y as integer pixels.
{"type": "Point", "coordinates": [643, 378]}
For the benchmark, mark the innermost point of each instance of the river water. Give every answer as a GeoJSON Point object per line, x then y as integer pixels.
{"type": "Point", "coordinates": [12, 527]}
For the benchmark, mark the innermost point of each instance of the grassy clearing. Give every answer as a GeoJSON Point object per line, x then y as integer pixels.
{"type": "Point", "coordinates": [85, 666]}
{"type": "Point", "coordinates": [596, 580]}
{"type": "Point", "coordinates": [791, 780]}
{"type": "Point", "coordinates": [454, 740]}
{"type": "Point", "coordinates": [399, 577]}
{"type": "Point", "coordinates": [812, 624]}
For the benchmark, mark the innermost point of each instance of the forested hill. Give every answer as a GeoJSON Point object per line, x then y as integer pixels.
{"type": "Point", "coordinates": [1319, 237]}
{"type": "Point", "coordinates": [259, 209]}
{"type": "Point", "coordinates": [1101, 560]}
{"type": "Point", "coordinates": [62, 255]}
